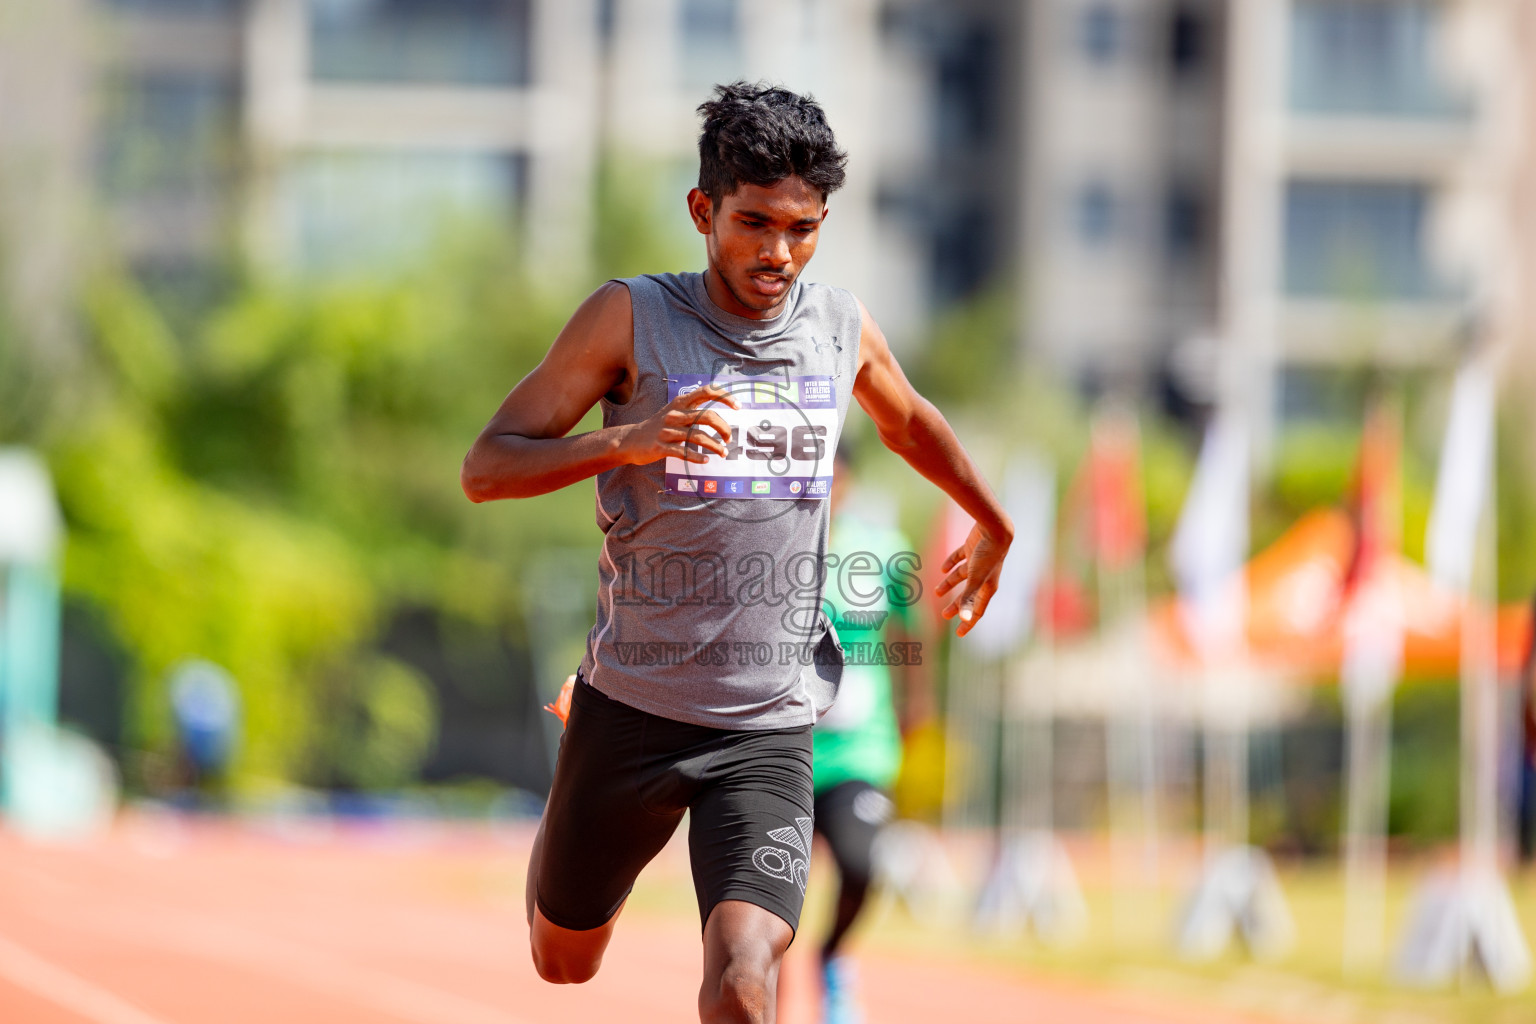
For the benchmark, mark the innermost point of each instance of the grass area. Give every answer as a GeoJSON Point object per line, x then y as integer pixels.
{"type": "Point", "coordinates": [1128, 947]}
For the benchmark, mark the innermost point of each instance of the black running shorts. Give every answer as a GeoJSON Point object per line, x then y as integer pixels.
{"type": "Point", "coordinates": [623, 779]}
{"type": "Point", "coordinates": [849, 816]}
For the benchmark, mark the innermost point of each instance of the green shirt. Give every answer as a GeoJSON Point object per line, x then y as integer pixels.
{"type": "Point", "coordinates": [873, 579]}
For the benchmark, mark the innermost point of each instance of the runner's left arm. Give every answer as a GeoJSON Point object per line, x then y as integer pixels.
{"type": "Point", "coordinates": [910, 426]}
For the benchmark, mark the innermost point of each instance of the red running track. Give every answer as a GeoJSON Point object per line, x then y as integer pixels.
{"type": "Point", "coordinates": [170, 922]}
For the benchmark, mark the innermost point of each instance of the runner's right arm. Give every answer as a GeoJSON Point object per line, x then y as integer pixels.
{"type": "Point", "coordinates": [523, 450]}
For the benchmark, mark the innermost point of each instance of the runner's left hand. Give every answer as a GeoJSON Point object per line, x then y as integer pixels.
{"type": "Point", "coordinates": [978, 563]}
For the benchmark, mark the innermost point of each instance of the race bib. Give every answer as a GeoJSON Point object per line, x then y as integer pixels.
{"type": "Point", "coordinates": [781, 439]}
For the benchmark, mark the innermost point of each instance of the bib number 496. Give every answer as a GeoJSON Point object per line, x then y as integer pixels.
{"type": "Point", "coordinates": [774, 443]}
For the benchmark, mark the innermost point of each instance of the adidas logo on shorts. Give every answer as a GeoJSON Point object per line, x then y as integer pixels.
{"type": "Point", "coordinates": [777, 862]}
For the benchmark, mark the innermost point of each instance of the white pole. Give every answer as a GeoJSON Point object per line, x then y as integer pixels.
{"type": "Point", "coordinates": [1479, 657]}
{"type": "Point", "coordinates": [955, 738]}
{"type": "Point", "coordinates": [1128, 731]}
{"type": "Point", "coordinates": [1368, 783]}
{"type": "Point", "coordinates": [1372, 666]}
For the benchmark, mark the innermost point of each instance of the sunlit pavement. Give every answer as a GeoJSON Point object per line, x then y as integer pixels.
{"type": "Point", "coordinates": [170, 921]}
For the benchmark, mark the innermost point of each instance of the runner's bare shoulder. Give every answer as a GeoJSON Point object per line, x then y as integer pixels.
{"type": "Point", "coordinates": [591, 358]}
{"type": "Point", "coordinates": [599, 341]}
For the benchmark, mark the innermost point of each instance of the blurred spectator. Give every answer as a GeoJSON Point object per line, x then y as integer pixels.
{"type": "Point", "coordinates": [206, 706]}
{"type": "Point", "coordinates": [872, 598]}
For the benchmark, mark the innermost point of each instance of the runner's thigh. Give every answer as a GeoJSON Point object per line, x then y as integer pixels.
{"type": "Point", "coordinates": [750, 833]}
{"type": "Point", "coordinates": [598, 833]}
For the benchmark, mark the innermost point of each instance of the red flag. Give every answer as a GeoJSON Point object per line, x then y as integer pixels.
{"type": "Point", "coordinates": [1373, 621]}
{"type": "Point", "coordinates": [1118, 521]}
{"type": "Point", "coordinates": [1374, 501]}
{"type": "Point", "coordinates": [1103, 507]}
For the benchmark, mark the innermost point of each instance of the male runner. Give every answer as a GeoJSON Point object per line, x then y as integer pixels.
{"type": "Point", "coordinates": [710, 660]}
{"type": "Point", "coordinates": [856, 747]}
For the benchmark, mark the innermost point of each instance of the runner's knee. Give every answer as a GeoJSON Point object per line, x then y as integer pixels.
{"type": "Point", "coordinates": [743, 991]}
{"type": "Point", "coordinates": [565, 957]}
{"type": "Point", "coordinates": [564, 966]}
{"type": "Point", "coordinates": [743, 948]}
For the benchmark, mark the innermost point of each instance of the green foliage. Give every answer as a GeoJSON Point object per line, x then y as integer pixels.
{"type": "Point", "coordinates": [1304, 814]}
{"type": "Point", "coordinates": [1516, 502]}
{"type": "Point", "coordinates": [1315, 466]}
{"type": "Point", "coordinates": [379, 727]}
{"type": "Point", "coordinates": [182, 568]}
{"type": "Point", "coordinates": [970, 356]}
{"type": "Point", "coordinates": [1167, 467]}
{"type": "Point", "coordinates": [639, 223]}
{"type": "Point", "coordinates": [20, 397]}
{"type": "Point", "coordinates": [264, 484]}
{"type": "Point", "coordinates": [1426, 738]}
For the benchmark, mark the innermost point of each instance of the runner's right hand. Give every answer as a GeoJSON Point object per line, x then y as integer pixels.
{"type": "Point", "coordinates": [677, 429]}
{"type": "Point", "coordinates": [560, 707]}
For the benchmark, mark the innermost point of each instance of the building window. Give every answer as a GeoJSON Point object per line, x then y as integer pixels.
{"type": "Point", "coordinates": [1101, 33]}
{"type": "Point", "coordinates": [1319, 394]}
{"type": "Point", "coordinates": [962, 251]}
{"type": "Point", "coordinates": [1097, 213]}
{"type": "Point", "coordinates": [177, 7]}
{"type": "Point", "coordinates": [607, 16]}
{"type": "Point", "coordinates": [1183, 221]}
{"type": "Point", "coordinates": [371, 210]}
{"type": "Point", "coordinates": [1187, 42]}
{"type": "Point", "coordinates": [1372, 57]}
{"type": "Point", "coordinates": [711, 42]}
{"type": "Point", "coordinates": [451, 42]}
{"type": "Point", "coordinates": [168, 134]}
{"type": "Point", "coordinates": [1358, 240]}
{"type": "Point", "coordinates": [965, 86]}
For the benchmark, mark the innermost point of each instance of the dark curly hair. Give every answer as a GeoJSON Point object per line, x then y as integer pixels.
{"type": "Point", "coordinates": [758, 134]}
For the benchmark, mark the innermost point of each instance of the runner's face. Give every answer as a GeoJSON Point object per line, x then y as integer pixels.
{"type": "Point", "coordinates": [758, 241]}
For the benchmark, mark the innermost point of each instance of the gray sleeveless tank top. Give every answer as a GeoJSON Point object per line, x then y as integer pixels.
{"type": "Point", "coordinates": [710, 576]}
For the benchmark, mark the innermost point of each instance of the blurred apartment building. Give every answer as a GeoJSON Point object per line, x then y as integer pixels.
{"type": "Point", "coordinates": [1185, 195]}
{"type": "Point", "coordinates": [1122, 179]}
{"type": "Point", "coordinates": [1257, 198]}
{"type": "Point", "coordinates": [1373, 161]}
{"type": "Point", "coordinates": [323, 135]}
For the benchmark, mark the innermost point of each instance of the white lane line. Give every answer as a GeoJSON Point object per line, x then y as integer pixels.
{"type": "Point", "coordinates": [196, 934]}
{"type": "Point", "coordinates": [44, 978]}
{"type": "Point", "coordinates": [193, 935]}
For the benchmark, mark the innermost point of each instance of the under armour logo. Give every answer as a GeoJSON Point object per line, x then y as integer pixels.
{"type": "Point", "coordinates": [826, 346]}
{"type": "Point", "coordinates": [780, 863]}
